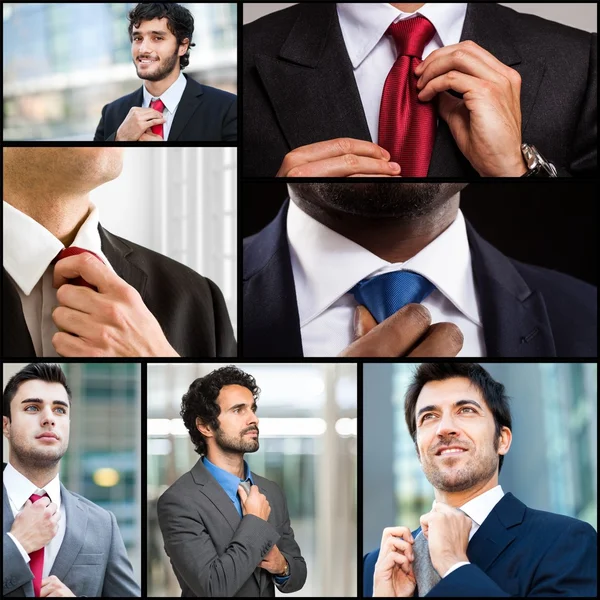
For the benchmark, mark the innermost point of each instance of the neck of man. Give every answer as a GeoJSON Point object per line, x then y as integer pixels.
{"type": "Point", "coordinates": [158, 88]}
{"type": "Point", "coordinates": [39, 476]}
{"type": "Point", "coordinates": [407, 7]}
{"type": "Point", "coordinates": [458, 499]}
{"type": "Point", "coordinates": [59, 210]}
{"type": "Point", "coordinates": [232, 462]}
{"type": "Point", "coordinates": [392, 239]}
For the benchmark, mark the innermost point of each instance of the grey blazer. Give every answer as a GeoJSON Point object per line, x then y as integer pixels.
{"type": "Point", "coordinates": [215, 552]}
{"type": "Point", "coordinates": [92, 560]}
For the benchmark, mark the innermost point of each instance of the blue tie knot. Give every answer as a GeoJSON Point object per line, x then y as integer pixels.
{"type": "Point", "coordinates": [385, 294]}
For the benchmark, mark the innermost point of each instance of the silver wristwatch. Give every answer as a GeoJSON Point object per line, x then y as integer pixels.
{"type": "Point", "coordinates": [537, 165]}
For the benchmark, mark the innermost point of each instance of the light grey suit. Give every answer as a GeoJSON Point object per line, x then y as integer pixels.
{"type": "Point", "coordinates": [215, 552]}
{"type": "Point", "coordinates": [92, 560]}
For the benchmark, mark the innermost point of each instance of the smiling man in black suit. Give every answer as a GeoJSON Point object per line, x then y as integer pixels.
{"type": "Point", "coordinates": [316, 74]}
{"type": "Point", "coordinates": [170, 105]}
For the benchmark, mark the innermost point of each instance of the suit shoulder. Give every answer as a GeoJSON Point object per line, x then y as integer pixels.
{"type": "Point", "coordinates": [275, 22]}
{"type": "Point", "coordinates": [95, 511]}
{"type": "Point", "coordinates": [217, 94]}
{"type": "Point", "coordinates": [545, 523]}
{"type": "Point", "coordinates": [178, 490]}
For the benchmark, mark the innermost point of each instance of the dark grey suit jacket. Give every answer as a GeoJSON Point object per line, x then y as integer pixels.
{"type": "Point", "coordinates": [204, 114]}
{"type": "Point", "coordinates": [214, 552]}
{"type": "Point", "coordinates": [299, 87]}
{"type": "Point", "coordinates": [92, 560]}
{"type": "Point", "coordinates": [190, 308]}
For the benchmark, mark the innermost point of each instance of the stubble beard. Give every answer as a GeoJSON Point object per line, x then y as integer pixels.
{"type": "Point", "coordinates": [232, 444]}
{"type": "Point", "coordinates": [162, 72]}
{"type": "Point", "coordinates": [34, 459]}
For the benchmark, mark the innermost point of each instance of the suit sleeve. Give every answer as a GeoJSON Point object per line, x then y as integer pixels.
{"type": "Point", "coordinates": [15, 571]}
{"type": "Point", "coordinates": [100, 135]}
{"type": "Point", "coordinates": [291, 551]}
{"type": "Point", "coordinates": [566, 568]}
{"type": "Point", "coordinates": [224, 336]}
{"type": "Point", "coordinates": [193, 554]}
{"type": "Point", "coordinates": [119, 580]}
{"type": "Point", "coordinates": [230, 127]}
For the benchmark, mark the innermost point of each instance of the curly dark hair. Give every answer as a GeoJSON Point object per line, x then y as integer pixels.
{"type": "Point", "coordinates": [179, 21]}
{"type": "Point", "coordinates": [49, 372]}
{"type": "Point", "coordinates": [200, 401]}
{"type": "Point", "coordinates": [491, 390]}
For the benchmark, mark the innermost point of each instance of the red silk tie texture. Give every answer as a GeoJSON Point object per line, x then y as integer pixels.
{"type": "Point", "coordinates": [72, 251]}
{"type": "Point", "coordinates": [407, 125]}
{"type": "Point", "coordinates": [36, 559]}
{"type": "Point", "coordinates": [159, 106]}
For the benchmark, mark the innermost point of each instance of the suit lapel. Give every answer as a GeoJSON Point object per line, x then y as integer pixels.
{"type": "Point", "coordinates": [74, 534]}
{"type": "Point", "coordinates": [271, 320]}
{"type": "Point", "coordinates": [515, 320]}
{"type": "Point", "coordinates": [16, 340]}
{"type": "Point", "coordinates": [119, 256]}
{"type": "Point", "coordinates": [311, 83]}
{"type": "Point", "coordinates": [190, 100]}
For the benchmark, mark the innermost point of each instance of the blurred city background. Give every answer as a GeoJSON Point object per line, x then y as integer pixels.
{"type": "Point", "coordinates": [307, 428]}
{"type": "Point", "coordinates": [551, 465]}
{"type": "Point", "coordinates": [180, 202]}
{"type": "Point", "coordinates": [103, 460]}
{"type": "Point", "coordinates": [63, 62]}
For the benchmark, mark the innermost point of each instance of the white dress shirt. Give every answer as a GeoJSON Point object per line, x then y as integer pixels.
{"type": "Point", "coordinates": [19, 490]}
{"type": "Point", "coordinates": [170, 98]}
{"type": "Point", "coordinates": [327, 265]}
{"type": "Point", "coordinates": [29, 249]}
{"type": "Point", "coordinates": [373, 53]}
{"type": "Point", "coordinates": [478, 509]}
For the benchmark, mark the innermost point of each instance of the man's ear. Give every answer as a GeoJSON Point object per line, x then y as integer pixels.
{"type": "Point", "coordinates": [184, 46]}
{"type": "Point", "coordinates": [205, 430]}
{"type": "Point", "coordinates": [6, 427]}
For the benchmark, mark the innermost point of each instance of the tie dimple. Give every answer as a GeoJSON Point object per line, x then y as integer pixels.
{"type": "Point", "coordinates": [159, 106]}
{"type": "Point", "coordinates": [36, 562]}
{"type": "Point", "coordinates": [73, 251]}
{"type": "Point", "coordinates": [407, 125]}
{"type": "Point", "coordinates": [385, 294]}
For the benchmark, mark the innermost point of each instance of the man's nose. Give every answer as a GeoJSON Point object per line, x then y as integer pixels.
{"type": "Point", "coordinates": [48, 417]}
{"type": "Point", "coordinates": [446, 425]}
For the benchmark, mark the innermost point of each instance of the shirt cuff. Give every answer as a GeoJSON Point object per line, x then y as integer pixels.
{"type": "Point", "coordinates": [24, 554]}
{"type": "Point", "coordinates": [454, 567]}
{"type": "Point", "coordinates": [280, 580]}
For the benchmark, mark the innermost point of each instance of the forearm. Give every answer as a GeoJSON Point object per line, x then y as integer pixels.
{"type": "Point", "coordinates": [16, 572]}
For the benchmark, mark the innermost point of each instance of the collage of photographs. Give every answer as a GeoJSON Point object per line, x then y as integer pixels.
{"type": "Point", "coordinates": [299, 299]}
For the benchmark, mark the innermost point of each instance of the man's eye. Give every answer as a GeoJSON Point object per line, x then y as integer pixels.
{"type": "Point", "coordinates": [62, 410]}
{"type": "Point", "coordinates": [31, 406]}
{"type": "Point", "coordinates": [427, 415]}
{"type": "Point", "coordinates": [468, 408]}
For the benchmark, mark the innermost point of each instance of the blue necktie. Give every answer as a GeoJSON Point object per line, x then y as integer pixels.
{"type": "Point", "coordinates": [385, 294]}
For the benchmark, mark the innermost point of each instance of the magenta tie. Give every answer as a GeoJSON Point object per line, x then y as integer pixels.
{"type": "Point", "coordinates": [36, 562]}
{"type": "Point", "coordinates": [407, 125]}
{"type": "Point", "coordinates": [159, 106]}
{"type": "Point", "coordinates": [72, 251]}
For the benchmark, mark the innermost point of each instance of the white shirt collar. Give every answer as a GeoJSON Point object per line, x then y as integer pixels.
{"type": "Point", "coordinates": [363, 25]}
{"type": "Point", "coordinates": [480, 507]}
{"type": "Point", "coordinates": [326, 265]}
{"type": "Point", "coordinates": [29, 248]}
{"type": "Point", "coordinates": [19, 488]}
{"type": "Point", "coordinates": [171, 97]}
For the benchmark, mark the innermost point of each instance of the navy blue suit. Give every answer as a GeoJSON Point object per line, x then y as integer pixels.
{"type": "Point", "coordinates": [526, 311]}
{"type": "Point", "coordinates": [519, 551]}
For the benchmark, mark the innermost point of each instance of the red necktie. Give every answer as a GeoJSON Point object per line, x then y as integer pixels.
{"type": "Point", "coordinates": [407, 125]}
{"type": "Point", "coordinates": [72, 251]}
{"type": "Point", "coordinates": [36, 562]}
{"type": "Point", "coordinates": [159, 106]}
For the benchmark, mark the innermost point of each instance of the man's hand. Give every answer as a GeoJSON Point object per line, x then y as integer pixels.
{"type": "Point", "coordinates": [113, 321]}
{"type": "Point", "coordinates": [447, 531]}
{"type": "Point", "coordinates": [394, 575]}
{"type": "Point", "coordinates": [408, 332]}
{"type": "Point", "coordinates": [255, 503]}
{"type": "Point", "coordinates": [136, 122]}
{"type": "Point", "coordinates": [342, 157]}
{"type": "Point", "coordinates": [36, 524]}
{"type": "Point", "coordinates": [486, 123]}
{"type": "Point", "coordinates": [148, 136]}
{"type": "Point", "coordinates": [274, 561]}
{"type": "Point", "coordinates": [53, 586]}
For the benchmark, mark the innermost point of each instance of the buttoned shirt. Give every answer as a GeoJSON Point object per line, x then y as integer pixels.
{"type": "Point", "coordinates": [171, 98]}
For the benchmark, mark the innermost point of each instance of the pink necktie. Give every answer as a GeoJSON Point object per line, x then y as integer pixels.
{"type": "Point", "coordinates": [407, 125]}
{"type": "Point", "coordinates": [36, 563]}
{"type": "Point", "coordinates": [72, 251]}
{"type": "Point", "coordinates": [159, 106]}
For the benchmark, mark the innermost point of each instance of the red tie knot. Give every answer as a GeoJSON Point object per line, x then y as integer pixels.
{"type": "Point", "coordinates": [412, 35]}
{"type": "Point", "coordinates": [36, 497]}
{"type": "Point", "coordinates": [157, 105]}
{"type": "Point", "coordinates": [73, 251]}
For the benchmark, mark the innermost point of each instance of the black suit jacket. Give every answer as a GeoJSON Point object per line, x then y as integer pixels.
{"type": "Point", "coordinates": [204, 114]}
{"type": "Point", "coordinates": [190, 308]}
{"type": "Point", "coordinates": [526, 311]}
{"type": "Point", "coordinates": [299, 87]}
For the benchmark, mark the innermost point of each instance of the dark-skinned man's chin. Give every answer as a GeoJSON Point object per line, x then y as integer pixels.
{"type": "Point", "coordinates": [378, 200]}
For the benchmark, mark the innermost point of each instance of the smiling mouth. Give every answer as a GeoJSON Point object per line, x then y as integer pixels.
{"type": "Point", "coordinates": [146, 61]}
{"type": "Point", "coordinates": [452, 452]}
